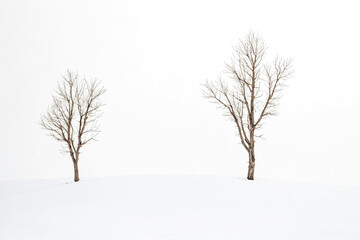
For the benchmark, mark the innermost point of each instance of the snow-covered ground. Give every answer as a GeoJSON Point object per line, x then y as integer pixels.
{"type": "Point", "coordinates": [176, 207]}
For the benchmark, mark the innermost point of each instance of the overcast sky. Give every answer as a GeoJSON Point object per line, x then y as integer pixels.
{"type": "Point", "coordinates": [153, 56]}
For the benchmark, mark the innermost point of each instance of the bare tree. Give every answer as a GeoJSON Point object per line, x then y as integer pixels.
{"type": "Point", "coordinates": [73, 116]}
{"type": "Point", "coordinates": [254, 92]}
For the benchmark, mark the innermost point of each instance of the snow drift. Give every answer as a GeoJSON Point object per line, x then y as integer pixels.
{"type": "Point", "coordinates": [176, 207]}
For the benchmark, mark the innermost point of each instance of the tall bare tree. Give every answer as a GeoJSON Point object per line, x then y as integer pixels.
{"type": "Point", "coordinates": [254, 92]}
{"type": "Point", "coordinates": [73, 116]}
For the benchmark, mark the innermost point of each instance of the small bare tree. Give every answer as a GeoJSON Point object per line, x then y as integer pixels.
{"type": "Point", "coordinates": [253, 93]}
{"type": "Point", "coordinates": [73, 116]}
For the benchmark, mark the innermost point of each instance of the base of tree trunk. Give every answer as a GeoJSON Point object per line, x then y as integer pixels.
{"type": "Point", "coordinates": [250, 173]}
{"type": "Point", "coordinates": [251, 170]}
{"type": "Point", "coordinates": [76, 172]}
{"type": "Point", "coordinates": [250, 178]}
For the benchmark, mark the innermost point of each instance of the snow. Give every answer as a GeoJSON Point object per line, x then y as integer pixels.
{"type": "Point", "coordinates": [177, 207]}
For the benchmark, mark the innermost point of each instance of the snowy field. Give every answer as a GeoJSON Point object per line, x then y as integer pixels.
{"type": "Point", "coordinates": [176, 207]}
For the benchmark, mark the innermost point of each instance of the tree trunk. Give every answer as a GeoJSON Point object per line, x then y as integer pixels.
{"type": "Point", "coordinates": [251, 169]}
{"type": "Point", "coordinates": [76, 171]}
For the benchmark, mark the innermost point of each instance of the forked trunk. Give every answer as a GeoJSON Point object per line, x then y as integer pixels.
{"type": "Point", "coordinates": [76, 171]}
{"type": "Point", "coordinates": [251, 169]}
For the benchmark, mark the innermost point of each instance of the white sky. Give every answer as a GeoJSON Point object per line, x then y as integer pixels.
{"type": "Point", "coordinates": [153, 56]}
